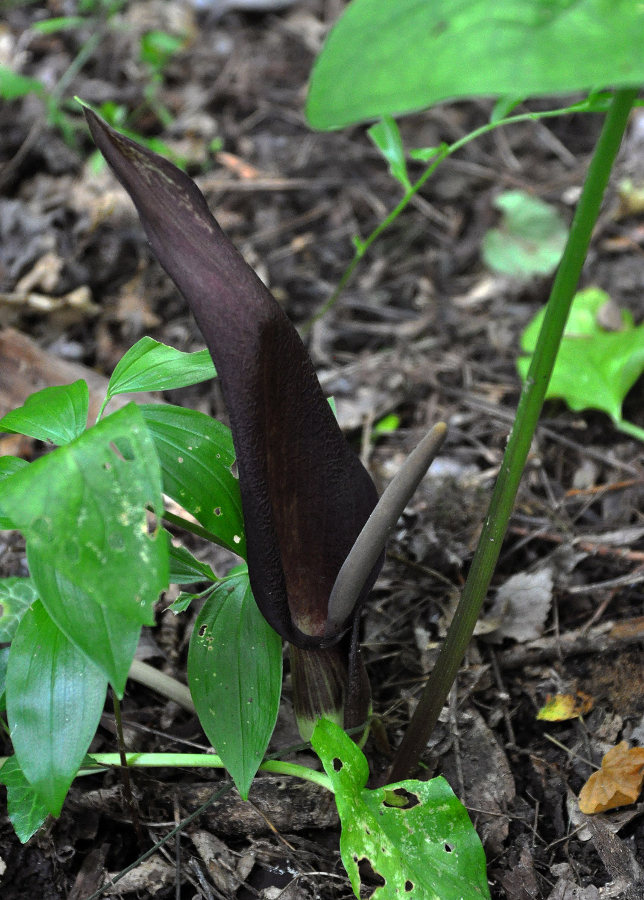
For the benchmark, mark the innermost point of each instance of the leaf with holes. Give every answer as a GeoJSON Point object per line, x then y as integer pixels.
{"type": "Point", "coordinates": [83, 509]}
{"type": "Point", "coordinates": [235, 677]}
{"type": "Point", "coordinates": [197, 462]}
{"type": "Point", "coordinates": [55, 414]}
{"type": "Point", "coordinates": [416, 835]}
{"type": "Point", "coordinates": [152, 366]}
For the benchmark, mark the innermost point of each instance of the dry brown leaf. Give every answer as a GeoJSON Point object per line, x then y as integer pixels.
{"type": "Point", "coordinates": [617, 783]}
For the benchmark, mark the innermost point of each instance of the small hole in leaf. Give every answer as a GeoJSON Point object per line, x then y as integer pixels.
{"type": "Point", "coordinates": [217, 510]}
{"type": "Point", "coordinates": [401, 799]}
{"type": "Point", "coordinates": [409, 886]}
{"type": "Point", "coordinates": [203, 629]}
{"type": "Point", "coordinates": [448, 848]}
{"type": "Point", "coordinates": [337, 764]}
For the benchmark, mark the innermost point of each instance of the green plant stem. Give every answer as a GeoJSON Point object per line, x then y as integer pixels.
{"type": "Point", "coordinates": [630, 429]}
{"type": "Point", "coordinates": [443, 153]}
{"type": "Point", "coordinates": [528, 411]}
{"type": "Point", "coordinates": [208, 761]}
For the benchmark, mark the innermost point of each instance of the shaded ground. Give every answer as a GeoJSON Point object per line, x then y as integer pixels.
{"type": "Point", "coordinates": [423, 331]}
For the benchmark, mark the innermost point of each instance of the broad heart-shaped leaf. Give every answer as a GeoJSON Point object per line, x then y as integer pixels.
{"type": "Point", "coordinates": [385, 58]}
{"type": "Point", "coordinates": [9, 465]}
{"type": "Point", "coordinates": [305, 493]}
{"type": "Point", "coordinates": [26, 810]}
{"type": "Point", "coordinates": [235, 677]}
{"type": "Point", "coordinates": [55, 697]}
{"type": "Point", "coordinates": [82, 509]}
{"type": "Point", "coordinates": [16, 596]}
{"type": "Point", "coordinates": [530, 239]}
{"type": "Point", "coordinates": [196, 455]}
{"type": "Point", "coordinates": [595, 368]}
{"type": "Point", "coordinates": [415, 834]}
{"type": "Point", "coordinates": [55, 414]}
{"type": "Point", "coordinates": [152, 366]}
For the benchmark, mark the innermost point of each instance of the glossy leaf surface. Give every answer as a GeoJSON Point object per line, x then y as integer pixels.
{"type": "Point", "coordinates": [152, 366]}
{"type": "Point", "coordinates": [55, 697]}
{"type": "Point", "coordinates": [197, 458]}
{"type": "Point", "coordinates": [235, 677]}
{"type": "Point", "coordinates": [55, 414]}
{"type": "Point", "coordinates": [384, 58]}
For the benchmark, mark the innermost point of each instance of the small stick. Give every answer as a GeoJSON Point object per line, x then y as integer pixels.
{"type": "Point", "coordinates": [371, 540]}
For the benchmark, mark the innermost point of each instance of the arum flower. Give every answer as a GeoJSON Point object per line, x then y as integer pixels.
{"type": "Point", "coordinates": [305, 494]}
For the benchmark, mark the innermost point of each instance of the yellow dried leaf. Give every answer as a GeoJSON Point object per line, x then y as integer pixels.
{"type": "Point", "coordinates": [617, 783]}
{"type": "Point", "coordinates": [565, 706]}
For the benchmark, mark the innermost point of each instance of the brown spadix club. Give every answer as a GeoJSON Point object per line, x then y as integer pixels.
{"type": "Point", "coordinates": [306, 497]}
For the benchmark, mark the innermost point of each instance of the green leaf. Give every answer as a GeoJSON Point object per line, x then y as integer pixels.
{"type": "Point", "coordinates": [385, 58]}
{"type": "Point", "coordinates": [152, 366]}
{"type": "Point", "coordinates": [158, 47]}
{"type": "Point", "coordinates": [426, 849]}
{"type": "Point", "coordinates": [55, 697]}
{"type": "Point", "coordinates": [55, 414]}
{"type": "Point", "coordinates": [530, 240]}
{"type": "Point", "coordinates": [16, 596]}
{"type": "Point", "coordinates": [59, 23]}
{"type": "Point", "coordinates": [235, 677]}
{"type": "Point", "coordinates": [386, 137]}
{"type": "Point", "coordinates": [197, 456]}
{"type": "Point", "coordinates": [26, 810]}
{"type": "Point", "coordinates": [595, 368]}
{"type": "Point", "coordinates": [4, 659]}
{"type": "Point", "coordinates": [186, 568]}
{"type": "Point", "coordinates": [82, 509]}
{"type": "Point", "coordinates": [9, 465]}
{"type": "Point", "coordinates": [13, 86]}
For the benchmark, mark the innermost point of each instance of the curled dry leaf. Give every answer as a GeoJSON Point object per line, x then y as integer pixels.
{"type": "Point", "coordinates": [617, 783]}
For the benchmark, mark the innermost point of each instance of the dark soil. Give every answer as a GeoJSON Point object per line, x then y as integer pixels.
{"type": "Point", "coordinates": [423, 331]}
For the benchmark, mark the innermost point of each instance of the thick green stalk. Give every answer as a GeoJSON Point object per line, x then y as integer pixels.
{"type": "Point", "coordinates": [530, 403]}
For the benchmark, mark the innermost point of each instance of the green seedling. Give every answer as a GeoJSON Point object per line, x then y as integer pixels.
{"type": "Point", "coordinates": [596, 365]}
{"type": "Point", "coordinates": [530, 239]}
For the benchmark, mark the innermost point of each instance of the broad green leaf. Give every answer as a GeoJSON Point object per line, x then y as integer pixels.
{"type": "Point", "coordinates": [4, 659]}
{"type": "Point", "coordinates": [26, 810]}
{"type": "Point", "coordinates": [530, 239]}
{"type": "Point", "coordinates": [197, 456]}
{"type": "Point", "coordinates": [55, 697]}
{"type": "Point", "coordinates": [16, 596]}
{"type": "Point", "coordinates": [595, 368]}
{"type": "Point", "coordinates": [152, 366]}
{"type": "Point", "coordinates": [55, 414]}
{"type": "Point", "coordinates": [415, 834]}
{"type": "Point", "coordinates": [385, 58]}
{"type": "Point", "coordinates": [235, 677]}
{"type": "Point", "coordinates": [187, 569]}
{"type": "Point", "coordinates": [82, 509]}
{"type": "Point", "coordinates": [9, 465]}
{"type": "Point", "coordinates": [14, 85]}
{"type": "Point", "coordinates": [386, 137]}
